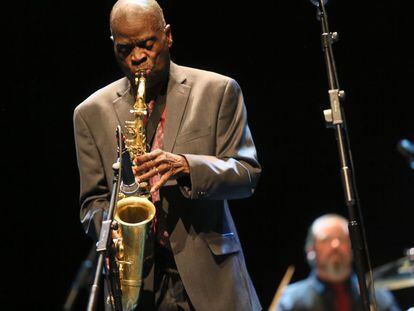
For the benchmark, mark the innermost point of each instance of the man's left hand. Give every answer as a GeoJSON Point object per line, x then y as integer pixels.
{"type": "Point", "coordinates": [158, 162]}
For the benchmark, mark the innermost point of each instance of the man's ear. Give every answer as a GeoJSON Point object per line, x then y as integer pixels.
{"type": "Point", "coordinates": [167, 31]}
{"type": "Point", "coordinates": [311, 257]}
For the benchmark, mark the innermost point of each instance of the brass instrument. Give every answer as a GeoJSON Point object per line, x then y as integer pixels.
{"type": "Point", "coordinates": [134, 213]}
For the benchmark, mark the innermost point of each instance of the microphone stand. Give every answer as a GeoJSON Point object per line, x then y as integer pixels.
{"type": "Point", "coordinates": [81, 280]}
{"type": "Point", "coordinates": [104, 246]}
{"type": "Point", "coordinates": [335, 119]}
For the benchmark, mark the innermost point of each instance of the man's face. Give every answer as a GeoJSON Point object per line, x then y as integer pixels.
{"type": "Point", "coordinates": [332, 250]}
{"type": "Point", "coordinates": [140, 45]}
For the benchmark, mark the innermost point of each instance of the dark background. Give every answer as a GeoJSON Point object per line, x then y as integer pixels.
{"type": "Point", "coordinates": [59, 52]}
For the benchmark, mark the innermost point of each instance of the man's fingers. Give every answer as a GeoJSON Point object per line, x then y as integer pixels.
{"type": "Point", "coordinates": [157, 170]}
{"type": "Point", "coordinates": [149, 161]}
{"type": "Point", "coordinates": [162, 181]}
{"type": "Point", "coordinates": [158, 162]}
{"type": "Point", "coordinates": [157, 159]}
{"type": "Point", "coordinates": [148, 156]}
{"type": "Point", "coordinates": [147, 175]}
{"type": "Point", "coordinates": [141, 168]}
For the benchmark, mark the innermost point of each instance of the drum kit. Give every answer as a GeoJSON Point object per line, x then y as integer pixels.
{"type": "Point", "coordinates": [398, 274]}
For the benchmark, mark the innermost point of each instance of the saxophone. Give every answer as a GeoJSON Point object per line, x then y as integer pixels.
{"type": "Point", "coordinates": [134, 213]}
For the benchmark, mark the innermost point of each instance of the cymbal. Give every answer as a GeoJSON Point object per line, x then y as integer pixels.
{"type": "Point", "coordinates": [395, 275]}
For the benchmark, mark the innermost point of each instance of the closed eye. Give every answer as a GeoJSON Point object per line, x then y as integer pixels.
{"type": "Point", "coordinates": [124, 49]}
{"type": "Point", "coordinates": [147, 44]}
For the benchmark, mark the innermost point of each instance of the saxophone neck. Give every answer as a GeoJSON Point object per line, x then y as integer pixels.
{"type": "Point", "coordinates": [140, 82]}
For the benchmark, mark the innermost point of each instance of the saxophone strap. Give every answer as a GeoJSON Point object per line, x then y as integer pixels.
{"type": "Point", "coordinates": [155, 117]}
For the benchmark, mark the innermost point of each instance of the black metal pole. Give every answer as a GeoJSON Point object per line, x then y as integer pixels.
{"type": "Point", "coordinates": [94, 293]}
{"type": "Point", "coordinates": [82, 279]}
{"type": "Point", "coordinates": [104, 245]}
{"type": "Point", "coordinates": [336, 119]}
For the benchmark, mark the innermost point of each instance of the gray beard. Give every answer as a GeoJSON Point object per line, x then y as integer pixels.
{"type": "Point", "coordinates": [337, 270]}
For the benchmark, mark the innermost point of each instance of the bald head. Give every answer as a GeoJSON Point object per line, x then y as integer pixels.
{"type": "Point", "coordinates": [141, 40]}
{"type": "Point", "coordinates": [320, 223]}
{"type": "Point", "coordinates": [130, 11]}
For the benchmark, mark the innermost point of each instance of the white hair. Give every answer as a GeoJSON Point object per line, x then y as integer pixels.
{"type": "Point", "coordinates": [310, 238]}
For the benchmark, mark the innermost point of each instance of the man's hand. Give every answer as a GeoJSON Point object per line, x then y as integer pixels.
{"type": "Point", "coordinates": [158, 162]}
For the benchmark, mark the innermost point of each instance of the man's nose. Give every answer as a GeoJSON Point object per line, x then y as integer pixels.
{"type": "Point", "coordinates": [138, 56]}
{"type": "Point", "coordinates": [335, 243]}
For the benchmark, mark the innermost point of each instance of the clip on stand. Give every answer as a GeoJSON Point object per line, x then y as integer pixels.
{"type": "Point", "coordinates": [335, 119]}
{"type": "Point", "coordinates": [105, 247]}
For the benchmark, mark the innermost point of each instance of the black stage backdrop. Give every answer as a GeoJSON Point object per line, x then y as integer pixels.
{"type": "Point", "coordinates": [60, 52]}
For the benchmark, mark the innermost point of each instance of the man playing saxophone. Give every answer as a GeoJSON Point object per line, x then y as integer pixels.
{"type": "Point", "coordinates": [201, 154]}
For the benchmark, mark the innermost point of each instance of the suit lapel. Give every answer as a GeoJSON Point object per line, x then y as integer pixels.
{"type": "Point", "coordinates": [177, 98]}
{"type": "Point", "coordinates": [123, 104]}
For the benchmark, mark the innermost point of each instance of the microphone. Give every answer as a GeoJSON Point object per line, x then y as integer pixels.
{"type": "Point", "coordinates": [406, 148]}
{"type": "Point", "coordinates": [316, 2]}
{"type": "Point", "coordinates": [128, 186]}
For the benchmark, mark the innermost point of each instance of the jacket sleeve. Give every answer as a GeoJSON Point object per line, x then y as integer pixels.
{"type": "Point", "coordinates": [94, 192]}
{"type": "Point", "coordinates": [234, 171]}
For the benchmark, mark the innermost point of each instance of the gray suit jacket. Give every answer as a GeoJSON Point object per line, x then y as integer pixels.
{"type": "Point", "coordinates": [206, 122]}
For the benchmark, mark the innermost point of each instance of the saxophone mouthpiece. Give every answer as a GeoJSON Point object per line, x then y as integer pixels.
{"type": "Point", "coordinates": [140, 74]}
